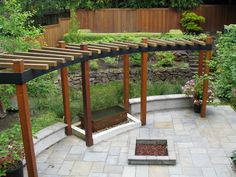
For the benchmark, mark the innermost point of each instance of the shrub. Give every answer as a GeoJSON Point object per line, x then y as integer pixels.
{"type": "Point", "coordinates": [16, 30]}
{"type": "Point", "coordinates": [165, 58]}
{"type": "Point", "coordinates": [183, 5]}
{"type": "Point", "coordinates": [191, 22]}
{"type": "Point", "coordinates": [224, 63]}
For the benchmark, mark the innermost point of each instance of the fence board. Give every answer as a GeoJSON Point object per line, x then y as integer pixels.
{"type": "Point", "coordinates": [139, 20]}
{"type": "Point", "coordinates": [152, 20]}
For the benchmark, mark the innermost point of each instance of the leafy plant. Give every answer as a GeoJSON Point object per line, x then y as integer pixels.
{"type": "Point", "coordinates": [194, 89]}
{"type": "Point", "coordinates": [191, 22]}
{"type": "Point", "coordinates": [165, 58]}
{"type": "Point", "coordinates": [224, 63]}
{"type": "Point", "coordinates": [233, 157]}
{"type": "Point", "coordinates": [16, 30]}
{"type": "Point", "coordinates": [183, 5]}
{"type": "Point", "coordinates": [11, 151]}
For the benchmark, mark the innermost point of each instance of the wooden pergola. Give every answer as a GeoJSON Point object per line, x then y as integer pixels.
{"type": "Point", "coordinates": [26, 66]}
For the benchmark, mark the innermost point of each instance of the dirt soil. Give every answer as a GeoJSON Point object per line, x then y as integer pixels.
{"type": "Point", "coordinates": [8, 120]}
{"type": "Point", "coordinates": [151, 150]}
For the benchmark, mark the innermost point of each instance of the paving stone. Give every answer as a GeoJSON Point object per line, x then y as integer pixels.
{"type": "Point", "coordinates": [66, 168]}
{"type": "Point", "coordinates": [95, 156]}
{"type": "Point", "coordinates": [77, 150]}
{"type": "Point", "coordinates": [155, 171]}
{"type": "Point", "coordinates": [202, 148]}
{"type": "Point", "coordinates": [129, 171]}
{"type": "Point", "coordinates": [176, 170]}
{"type": "Point", "coordinates": [220, 160]}
{"type": "Point", "coordinates": [192, 171]}
{"type": "Point", "coordinates": [201, 160]}
{"type": "Point", "coordinates": [98, 175]}
{"type": "Point", "coordinates": [198, 151]}
{"type": "Point", "coordinates": [113, 169]}
{"type": "Point", "coordinates": [117, 150]}
{"type": "Point", "coordinates": [208, 172]}
{"type": "Point", "coordinates": [142, 171]}
{"type": "Point", "coordinates": [98, 167]}
{"type": "Point", "coordinates": [115, 175]}
{"type": "Point", "coordinates": [112, 160]}
{"type": "Point", "coordinates": [81, 168]}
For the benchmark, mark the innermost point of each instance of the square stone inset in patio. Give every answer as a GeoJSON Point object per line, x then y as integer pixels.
{"type": "Point", "coordinates": [152, 157]}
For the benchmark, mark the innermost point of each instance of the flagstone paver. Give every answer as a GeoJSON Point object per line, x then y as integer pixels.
{"type": "Point", "coordinates": [202, 146]}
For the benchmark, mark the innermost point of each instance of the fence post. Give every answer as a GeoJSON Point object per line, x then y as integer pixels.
{"type": "Point", "coordinates": [65, 94]}
{"type": "Point", "coordinates": [126, 82]}
{"type": "Point", "coordinates": [144, 78]}
{"type": "Point", "coordinates": [206, 81]}
{"type": "Point", "coordinates": [85, 69]}
{"type": "Point", "coordinates": [24, 114]}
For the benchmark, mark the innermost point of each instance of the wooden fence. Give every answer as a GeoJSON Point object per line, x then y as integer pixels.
{"type": "Point", "coordinates": [54, 33]}
{"type": "Point", "coordinates": [152, 20]}
{"type": "Point", "coordinates": [139, 20]}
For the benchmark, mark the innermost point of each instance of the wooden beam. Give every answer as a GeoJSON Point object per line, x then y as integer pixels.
{"type": "Point", "coordinates": [50, 63]}
{"type": "Point", "coordinates": [126, 82]}
{"type": "Point", "coordinates": [64, 57]}
{"type": "Point", "coordinates": [104, 45]}
{"type": "Point", "coordinates": [26, 66]}
{"type": "Point", "coordinates": [187, 42]}
{"type": "Point", "coordinates": [56, 52]}
{"type": "Point", "coordinates": [200, 62]}
{"type": "Point", "coordinates": [85, 69]}
{"type": "Point", "coordinates": [144, 45]}
{"type": "Point", "coordinates": [24, 114]}
{"type": "Point", "coordinates": [91, 47]}
{"type": "Point", "coordinates": [96, 51]}
{"type": "Point", "coordinates": [65, 95]}
{"type": "Point", "coordinates": [60, 60]}
{"type": "Point", "coordinates": [171, 43]}
{"type": "Point", "coordinates": [206, 81]}
{"type": "Point", "coordinates": [68, 50]}
{"type": "Point", "coordinates": [120, 46]}
{"type": "Point", "coordinates": [198, 42]}
{"type": "Point", "coordinates": [130, 44]}
{"type": "Point", "coordinates": [178, 42]}
{"type": "Point", "coordinates": [144, 78]}
{"type": "Point", "coordinates": [158, 42]}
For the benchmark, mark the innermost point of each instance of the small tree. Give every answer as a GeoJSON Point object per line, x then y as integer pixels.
{"type": "Point", "coordinates": [191, 22]}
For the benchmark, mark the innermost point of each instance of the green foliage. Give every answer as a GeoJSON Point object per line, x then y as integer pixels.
{"type": "Point", "coordinates": [191, 22]}
{"type": "Point", "coordinates": [16, 30]}
{"type": "Point", "coordinates": [233, 157]}
{"type": "Point", "coordinates": [39, 87]}
{"type": "Point", "coordinates": [165, 59]}
{"type": "Point", "coordinates": [11, 151]}
{"type": "Point", "coordinates": [194, 88]}
{"type": "Point", "coordinates": [94, 65]}
{"type": "Point", "coordinates": [110, 60]}
{"type": "Point", "coordinates": [224, 63]}
{"type": "Point", "coordinates": [156, 88]}
{"type": "Point", "coordinates": [183, 5]}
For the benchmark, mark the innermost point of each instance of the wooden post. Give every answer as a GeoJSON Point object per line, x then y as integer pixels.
{"type": "Point", "coordinates": [200, 62]}
{"type": "Point", "coordinates": [144, 78]}
{"type": "Point", "coordinates": [24, 114]}
{"type": "Point", "coordinates": [206, 82]}
{"type": "Point", "coordinates": [126, 82]}
{"type": "Point", "coordinates": [65, 94]}
{"type": "Point", "coordinates": [86, 99]}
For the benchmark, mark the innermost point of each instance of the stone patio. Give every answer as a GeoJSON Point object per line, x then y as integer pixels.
{"type": "Point", "coordinates": [203, 147]}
